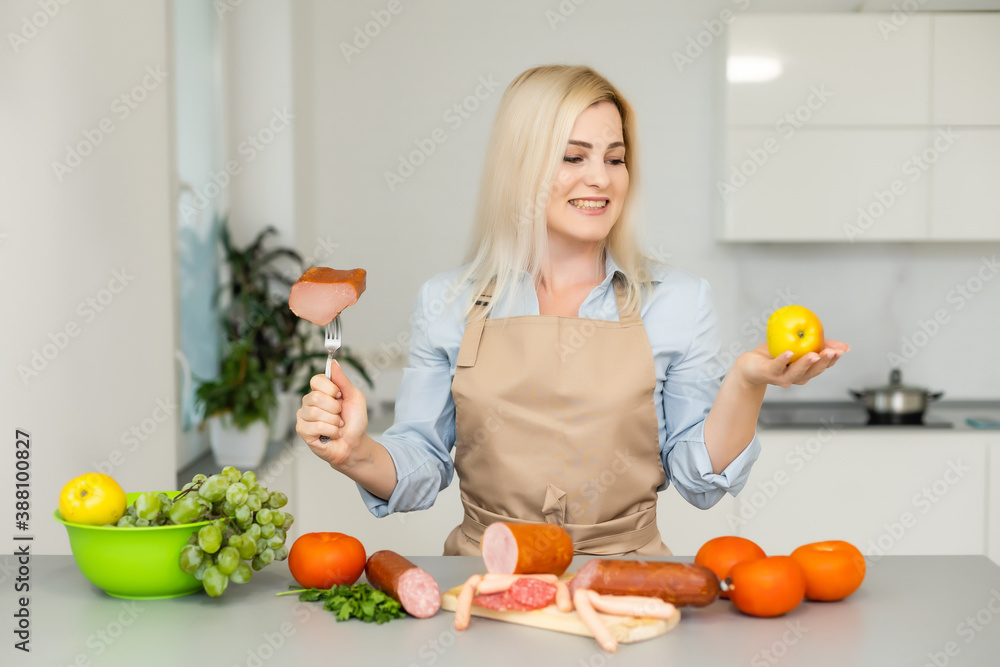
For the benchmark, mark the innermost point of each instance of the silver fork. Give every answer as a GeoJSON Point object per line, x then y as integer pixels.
{"type": "Point", "coordinates": [332, 343]}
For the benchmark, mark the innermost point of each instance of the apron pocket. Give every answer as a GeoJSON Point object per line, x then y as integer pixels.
{"type": "Point", "coordinates": [554, 507]}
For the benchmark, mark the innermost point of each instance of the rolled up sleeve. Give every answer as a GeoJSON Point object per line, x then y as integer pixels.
{"type": "Point", "coordinates": [423, 433]}
{"type": "Point", "coordinates": [689, 389]}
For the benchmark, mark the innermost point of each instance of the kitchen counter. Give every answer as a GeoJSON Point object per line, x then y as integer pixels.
{"type": "Point", "coordinates": [947, 416]}
{"type": "Point", "coordinates": [911, 610]}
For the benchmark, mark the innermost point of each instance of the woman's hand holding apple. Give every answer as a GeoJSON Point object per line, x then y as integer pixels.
{"type": "Point", "coordinates": [796, 350]}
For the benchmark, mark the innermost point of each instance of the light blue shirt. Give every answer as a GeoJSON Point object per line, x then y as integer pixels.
{"type": "Point", "coordinates": [683, 331]}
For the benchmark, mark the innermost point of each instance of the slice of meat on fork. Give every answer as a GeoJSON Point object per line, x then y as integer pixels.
{"type": "Point", "coordinates": [322, 293]}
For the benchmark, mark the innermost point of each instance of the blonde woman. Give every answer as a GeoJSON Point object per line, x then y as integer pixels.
{"type": "Point", "coordinates": [574, 377]}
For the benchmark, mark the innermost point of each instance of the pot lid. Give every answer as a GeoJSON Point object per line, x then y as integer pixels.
{"type": "Point", "coordinates": [895, 385]}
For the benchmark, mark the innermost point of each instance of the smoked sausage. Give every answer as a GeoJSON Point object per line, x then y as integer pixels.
{"type": "Point", "coordinates": [411, 586]}
{"type": "Point", "coordinates": [526, 548]}
{"type": "Point", "coordinates": [680, 584]}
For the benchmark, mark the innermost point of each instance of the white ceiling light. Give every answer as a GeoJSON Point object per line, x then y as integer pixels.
{"type": "Point", "coordinates": [749, 69]}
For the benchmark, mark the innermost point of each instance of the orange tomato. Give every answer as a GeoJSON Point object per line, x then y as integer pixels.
{"type": "Point", "coordinates": [322, 560]}
{"type": "Point", "coordinates": [767, 586]}
{"type": "Point", "coordinates": [794, 328]}
{"type": "Point", "coordinates": [834, 569]}
{"type": "Point", "coordinates": [721, 553]}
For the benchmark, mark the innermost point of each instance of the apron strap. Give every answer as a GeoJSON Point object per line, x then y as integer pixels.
{"type": "Point", "coordinates": [469, 348]}
{"type": "Point", "coordinates": [632, 317]}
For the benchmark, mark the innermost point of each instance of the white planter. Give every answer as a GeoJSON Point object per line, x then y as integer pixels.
{"type": "Point", "coordinates": [283, 418]}
{"type": "Point", "coordinates": [231, 446]}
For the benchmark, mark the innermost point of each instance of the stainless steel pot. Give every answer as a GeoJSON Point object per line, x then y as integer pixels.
{"type": "Point", "coordinates": [896, 403]}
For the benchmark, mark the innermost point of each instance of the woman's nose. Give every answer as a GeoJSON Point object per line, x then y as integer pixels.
{"type": "Point", "coordinates": [596, 174]}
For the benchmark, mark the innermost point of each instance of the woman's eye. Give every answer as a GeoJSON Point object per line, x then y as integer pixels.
{"type": "Point", "coordinates": [576, 159]}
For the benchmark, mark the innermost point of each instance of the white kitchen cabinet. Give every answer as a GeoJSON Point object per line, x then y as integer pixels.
{"type": "Point", "coordinates": [874, 79]}
{"type": "Point", "coordinates": [894, 97]}
{"type": "Point", "coordinates": [329, 501]}
{"type": "Point", "coordinates": [966, 69]}
{"type": "Point", "coordinates": [899, 493]}
{"type": "Point", "coordinates": [853, 185]}
{"type": "Point", "coordinates": [965, 185]}
{"type": "Point", "coordinates": [684, 527]}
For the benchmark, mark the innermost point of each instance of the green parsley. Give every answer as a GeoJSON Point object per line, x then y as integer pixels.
{"type": "Point", "coordinates": [357, 601]}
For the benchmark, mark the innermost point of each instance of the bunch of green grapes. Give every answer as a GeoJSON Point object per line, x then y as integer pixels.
{"type": "Point", "coordinates": [248, 525]}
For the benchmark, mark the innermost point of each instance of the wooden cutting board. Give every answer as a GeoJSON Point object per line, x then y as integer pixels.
{"type": "Point", "coordinates": [626, 630]}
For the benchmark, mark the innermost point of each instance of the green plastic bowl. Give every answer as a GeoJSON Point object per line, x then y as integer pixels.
{"type": "Point", "coordinates": [133, 563]}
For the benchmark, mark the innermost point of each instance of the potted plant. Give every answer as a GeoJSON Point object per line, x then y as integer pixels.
{"type": "Point", "coordinates": [267, 350]}
{"type": "Point", "coordinates": [238, 406]}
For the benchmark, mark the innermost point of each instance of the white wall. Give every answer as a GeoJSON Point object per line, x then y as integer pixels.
{"type": "Point", "coordinates": [66, 237]}
{"type": "Point", "coordinates": [373, 105]}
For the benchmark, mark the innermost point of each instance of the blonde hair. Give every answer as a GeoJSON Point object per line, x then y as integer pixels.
{"type": "Point", "coordinates": [526, 149]}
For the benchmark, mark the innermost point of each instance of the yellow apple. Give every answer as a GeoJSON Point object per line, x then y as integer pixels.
{"type": "Point", "coordinates": [795, 329]}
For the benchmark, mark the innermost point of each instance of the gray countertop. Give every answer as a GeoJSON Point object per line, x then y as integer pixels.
{"type": "Point", "coordinates": [910, 610]}
{"type": "Point", "coordinates": [943, 416]}
{"type": "Point", "coordinates": [958, 411]}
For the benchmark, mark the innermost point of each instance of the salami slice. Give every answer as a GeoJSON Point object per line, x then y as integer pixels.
{"type": "Point", "coordinates": [400, 579]}
{"type": "Point", "coordinates": [524, 595]}
{"type": "Point", "coordinates": [533, 593]}
{"type": "Point", "coordinates": [501, 601]}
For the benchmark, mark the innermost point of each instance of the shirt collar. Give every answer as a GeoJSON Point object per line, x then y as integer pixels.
{"type": "Point", "coordinates": [657, 271]}
{"type": "Point", "coordinates": [610, 268]}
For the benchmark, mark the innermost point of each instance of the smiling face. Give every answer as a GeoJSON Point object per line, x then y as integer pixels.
{"type": "Point", "coordinates": [590, 187]}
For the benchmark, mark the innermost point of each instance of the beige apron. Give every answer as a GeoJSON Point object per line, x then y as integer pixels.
{"type": "Point", "coordinates": [555, 422]}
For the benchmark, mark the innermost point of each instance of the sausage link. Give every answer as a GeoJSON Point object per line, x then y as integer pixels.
{"type": "Point", "coordinates": [589, 616]}
{"type": "Point", "coordinates": [563, 600]}
{"type": "Point", "coordinates": [463, 607]}
{"type": "Point", "coordinates": [632, 605]}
